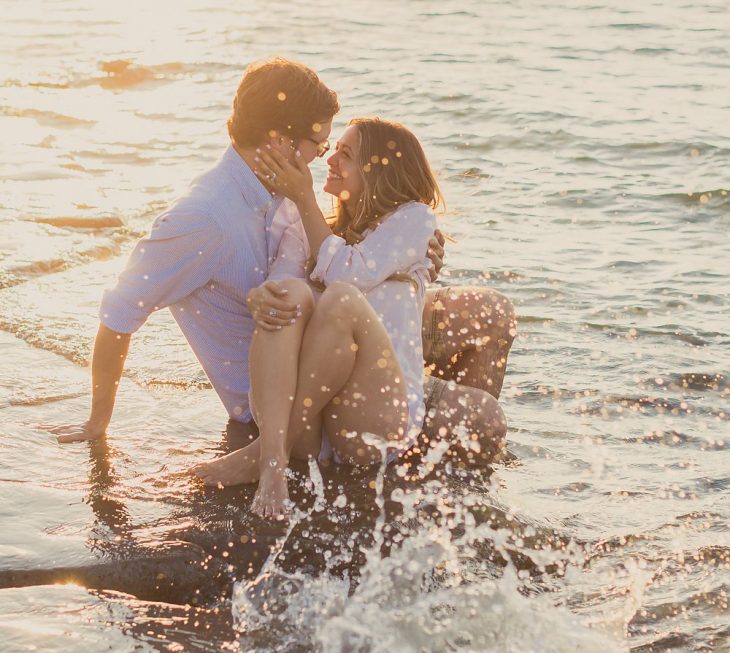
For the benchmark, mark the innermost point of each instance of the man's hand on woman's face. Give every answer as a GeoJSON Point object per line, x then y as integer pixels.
{"type": "Point", "coordinates": [436, 254]}
{"type": "Point", "coordinates": [269, 307]}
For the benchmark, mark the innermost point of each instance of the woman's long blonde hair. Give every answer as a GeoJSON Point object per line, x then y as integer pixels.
{"type": "Point", "coordinates": [394, 170]}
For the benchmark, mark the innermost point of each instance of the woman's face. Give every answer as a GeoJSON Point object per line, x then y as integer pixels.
{"type": "Point", "coordinates": [344, 176]}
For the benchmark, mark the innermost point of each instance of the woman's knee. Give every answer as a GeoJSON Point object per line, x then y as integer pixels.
{"type": "Point", "coordinates": [340, 300]}
{"type": "Point", "coordinates": [298, 292]}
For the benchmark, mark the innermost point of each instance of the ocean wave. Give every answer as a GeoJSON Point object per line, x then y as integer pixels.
{"type": "Point", "coordinates": [77, 348]}
{"type": "Point", "coordinates": [700, 339]}
{"type": "Point", "coordinates": [611, 404]}
{"type": "Point", "coordinates": [674, 438]}
{"type": "Point", "coordinates": [76, 352]}
{"type": "Point", "coordinates": [617, 405]}
{"type": "Point", "coordinates": [93, 223]}
{"type": "Point", "coordinates": [690, 381]}
{"type": "Point", "coordinates": [39, 400]}
{"type": "Point", "coordinates": [638, 26]}
{"type": "Point", "coordinates": [129, 157]}
{"type": "Point", "coordinates": [178, 384]}
{"type": "Point", "coordinates": [125, 73]}
{"type": "Point", "coordinates": [17, 274]}
{"type": "Point", "coordinates": [716, 198]}
{"type": "Point", "coordinates": [47, 118]}
{"type": "Point", "coordinates": [480, 277]}
{"type": "Point", "coordinates": [664, 148]}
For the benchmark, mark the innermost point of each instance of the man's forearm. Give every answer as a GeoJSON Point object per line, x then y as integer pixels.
{"type": "Point", "coordinates": [107, 365]}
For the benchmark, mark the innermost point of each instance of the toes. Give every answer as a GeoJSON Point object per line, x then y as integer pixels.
{"type": "Point", "coordinates": [199, 472]}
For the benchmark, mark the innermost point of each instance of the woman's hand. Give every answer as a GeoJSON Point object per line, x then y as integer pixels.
{"type": "Point", "coordinates": [293, 180]}
{"type": "Point", "coordinates": [436, 254]}
{"type": "Point", "coordinates": [269, 307]}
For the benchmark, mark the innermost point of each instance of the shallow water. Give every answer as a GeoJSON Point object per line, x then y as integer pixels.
{"type": "Point", "coordinates": [583, 153]}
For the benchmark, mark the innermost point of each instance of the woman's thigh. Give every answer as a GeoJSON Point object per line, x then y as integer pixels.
{"type": "Point", "coordinates": [373, 401]}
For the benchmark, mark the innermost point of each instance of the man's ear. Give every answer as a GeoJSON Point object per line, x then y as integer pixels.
{"type": "Point", "coordinates": [280, 143]}
{"type": "Point", "coordinates": [272, 139]}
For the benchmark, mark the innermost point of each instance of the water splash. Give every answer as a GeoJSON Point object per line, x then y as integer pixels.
{"type": "Point", "coordinates": [425, 585]}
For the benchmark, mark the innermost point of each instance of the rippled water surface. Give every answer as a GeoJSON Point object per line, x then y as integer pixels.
{"type": "Point", "coordinates": [583, 151]}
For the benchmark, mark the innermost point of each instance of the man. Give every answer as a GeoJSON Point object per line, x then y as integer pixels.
{"type": "Point", "coordinates": [207, 251]}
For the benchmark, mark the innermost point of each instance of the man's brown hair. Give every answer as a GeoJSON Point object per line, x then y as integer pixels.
{"type": "Point", "coordinates": [279, 95]}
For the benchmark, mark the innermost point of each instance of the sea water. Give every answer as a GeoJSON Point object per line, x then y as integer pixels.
{"type": "Point", "coordinates": [583, 152]}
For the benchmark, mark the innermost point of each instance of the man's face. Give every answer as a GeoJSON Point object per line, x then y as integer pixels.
{"type": "Point", "coordinates": [310, 146]}
{"type": "Point", "coordinates": [316, 144]}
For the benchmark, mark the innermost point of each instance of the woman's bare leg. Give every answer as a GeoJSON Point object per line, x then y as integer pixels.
{"type": "Point", "coordinates": [274, 361]}
{"type": "Point", "coordinates": [346, 360]}
{"type": "Point", "coordinates": [349, 373]}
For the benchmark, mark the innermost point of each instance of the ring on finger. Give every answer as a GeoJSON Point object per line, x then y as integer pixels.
{"type": "Point", "coordinates": [272, 312]}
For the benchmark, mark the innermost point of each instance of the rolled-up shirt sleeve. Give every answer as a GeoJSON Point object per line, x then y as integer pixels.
{"type": "Point", "coordinates": [398, 244]}
{"type": "Point", "coordinates": [181, 254]}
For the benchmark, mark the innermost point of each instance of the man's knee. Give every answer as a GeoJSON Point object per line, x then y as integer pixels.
{"type": "Point", "coordinates": [506, 317]}
{"type": "Point", "coordinates": [479, 312]}
{"type": "Point", "coordinates": [495, 312]}
{"type": "Point", "coordinates": [473, 408]}
{"type": "Point", "coordinates": [482, 418]}
{"type": "Point", "coordinates": [490, 417]}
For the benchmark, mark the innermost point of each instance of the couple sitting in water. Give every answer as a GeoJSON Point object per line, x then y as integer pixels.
{"type": "Point", "coordinates": [313, 331]}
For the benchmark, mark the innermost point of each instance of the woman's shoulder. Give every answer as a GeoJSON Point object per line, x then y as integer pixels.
{"type": "Point", "coordinates": [413, 208]}
{"type": "Point", "coordinates": [413, 212]}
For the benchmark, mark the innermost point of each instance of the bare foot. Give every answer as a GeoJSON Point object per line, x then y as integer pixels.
{"type": "Point", "coordinates": [241, 466]}
{"type": "Point", "coordinates": [272, 496]}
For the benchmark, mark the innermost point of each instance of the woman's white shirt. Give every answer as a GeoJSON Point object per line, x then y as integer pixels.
{"type": "Point", "coordinates": [398, 244]}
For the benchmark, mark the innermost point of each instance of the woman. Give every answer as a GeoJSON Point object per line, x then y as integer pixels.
{"type": "Point", "coordinates": [348, 375]}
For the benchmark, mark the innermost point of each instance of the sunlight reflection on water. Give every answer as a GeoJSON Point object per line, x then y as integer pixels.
{"type": "Point", "coordinates": [583, 154]}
